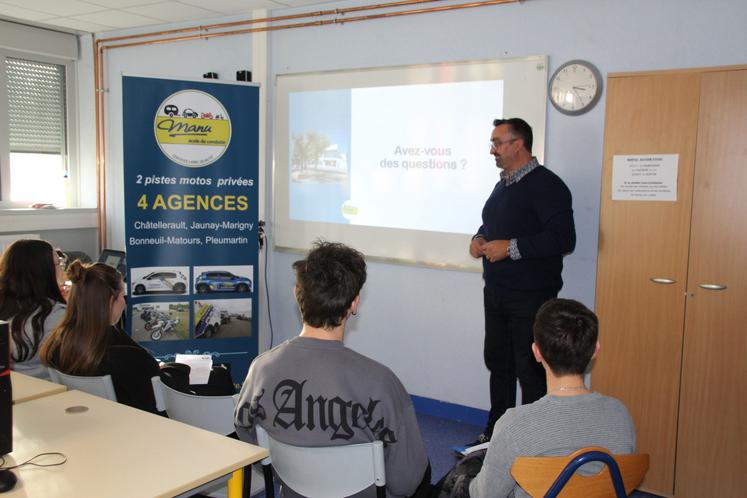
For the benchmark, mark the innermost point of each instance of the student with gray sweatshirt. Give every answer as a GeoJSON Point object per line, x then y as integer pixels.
{"type": "Point", "coordinates": [567, 418]}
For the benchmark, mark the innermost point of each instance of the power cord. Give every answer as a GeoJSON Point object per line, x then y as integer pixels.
{"type": "Point", "coordinates": [30, 461]}
{"type": "Point", "coordinates": [263, 237]}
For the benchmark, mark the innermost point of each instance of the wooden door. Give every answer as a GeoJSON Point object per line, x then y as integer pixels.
{"type": "Point", "coordinates": [641, 322]}
{"type": "Point", "coordinates": [712, 439]}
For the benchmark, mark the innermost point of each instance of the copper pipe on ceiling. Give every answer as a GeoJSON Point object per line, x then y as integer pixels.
{"type": "Point", "coordinates": [313, 23]}
{"type": "Point", "coordinates": [100, 47]}
{"type": "Point", "coordinates": [208, 27]}
{"type": "Point", "coordinates": [319, 13]}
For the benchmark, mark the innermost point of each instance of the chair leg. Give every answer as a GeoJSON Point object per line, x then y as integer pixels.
{"type": "Point", "coordinates": [246, 491]}
{"type": "Point", "coordinates": [269, 484]}
{"type": "Point", "coordinates": [380, 491]}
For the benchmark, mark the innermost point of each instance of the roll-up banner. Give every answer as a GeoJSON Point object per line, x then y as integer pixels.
{"type": "Point", "coordinates": [191, 194]}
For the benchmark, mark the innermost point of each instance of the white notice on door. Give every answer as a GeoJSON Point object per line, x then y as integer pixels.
{"type": "Point", "coordinates": [645, 177]}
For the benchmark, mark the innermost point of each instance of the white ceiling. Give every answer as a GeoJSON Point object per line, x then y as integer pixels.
{"type": "Point", "coordinates": [98, 16]}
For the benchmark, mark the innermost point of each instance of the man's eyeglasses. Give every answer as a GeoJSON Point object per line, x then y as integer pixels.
{"type": "Point", "coordinates": [496, 142]}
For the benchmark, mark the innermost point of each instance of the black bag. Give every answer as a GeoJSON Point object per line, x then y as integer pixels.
{"type": "Point", "coordinates": [220, 383]}
{"type": "Point", "coordinates": [455, 484]}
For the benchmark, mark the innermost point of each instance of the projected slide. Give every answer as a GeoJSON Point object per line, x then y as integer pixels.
{"type": "Point", "coordinates": [407, 157]}
{"type": "Point", "coordinates": [395, 161]}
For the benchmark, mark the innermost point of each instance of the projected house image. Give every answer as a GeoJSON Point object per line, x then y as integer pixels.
{"type": "Point", "coordinates": [332, 160]}
{"type": "Point", "coordinates": [315, 160]}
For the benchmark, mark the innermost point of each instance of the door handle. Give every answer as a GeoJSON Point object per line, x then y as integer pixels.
{"type": "Point", "coordinates": [715, 287]}
{"type": "Point", "coordinates": [663, 281]}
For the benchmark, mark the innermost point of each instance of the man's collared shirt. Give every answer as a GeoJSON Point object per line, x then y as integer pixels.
{"type": "Point", "coordinates": [511, 177]}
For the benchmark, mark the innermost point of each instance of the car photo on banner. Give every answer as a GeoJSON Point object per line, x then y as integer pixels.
{"type": "Point", "coordinates": [160, 321]}
{"type": "Point", "coordinates": [228, 278]}
{"type": "Point", "coordinates": [223, 318]}
{"type": "Point", "coordinates": [159, 280]}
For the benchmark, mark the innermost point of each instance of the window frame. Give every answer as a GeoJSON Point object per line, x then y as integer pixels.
{"type": "Point", "coordinates": [71, 157]}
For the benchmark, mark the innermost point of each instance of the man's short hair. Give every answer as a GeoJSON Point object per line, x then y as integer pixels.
{"type": "Point", "coordinates": [520, 129]}
{"type": "Point", "coordinates": [566, 333]}
{"type": "Point", "coordinates": [327, 282]}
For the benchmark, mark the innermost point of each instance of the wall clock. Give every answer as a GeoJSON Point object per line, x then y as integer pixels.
{"type": "Point", "coordinates": [575, 87]}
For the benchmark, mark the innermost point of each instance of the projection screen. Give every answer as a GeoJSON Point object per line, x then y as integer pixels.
{"type": "Point", "coordinates": [395, 161]}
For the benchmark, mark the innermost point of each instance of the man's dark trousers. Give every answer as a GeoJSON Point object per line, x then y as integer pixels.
{"type": "Point", "coordinates": [509, 317]}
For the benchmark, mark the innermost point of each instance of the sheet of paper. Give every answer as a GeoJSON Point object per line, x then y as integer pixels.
{"type": "Point", "coordinates": [199, 364]}
{"type": "Point", "coordinates": [466, 450]}
{"type": "Point", "coordinates": [644, 177]}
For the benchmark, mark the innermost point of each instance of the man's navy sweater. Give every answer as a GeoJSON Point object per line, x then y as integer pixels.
{"type": "Point", "coordinates": [536, 211]}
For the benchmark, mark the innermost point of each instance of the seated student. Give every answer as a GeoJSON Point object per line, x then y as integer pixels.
{"type": "Point", "coordinates": [313, 391]}
{"type": "Point", "coordinates": [86, 343]}
{"type": "Point", "coordinates": [568, 418]}
{"type": "Point", "coordinates": [31, 300]}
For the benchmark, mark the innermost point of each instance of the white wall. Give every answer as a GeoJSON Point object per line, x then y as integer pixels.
{"type": "Point", "coordinates": [427, 324]}
{"type": "Point", "coordinates": [86, 116]}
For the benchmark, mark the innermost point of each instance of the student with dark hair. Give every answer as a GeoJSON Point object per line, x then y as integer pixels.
{"type": "Point", "coordinates": [313, 391]}
{"type": "Point", "coordinates": [30, 299]}
{"type": "Point", "coordinates": [568, 418]}
{"type": "Point", "coordinates": [87, 343]}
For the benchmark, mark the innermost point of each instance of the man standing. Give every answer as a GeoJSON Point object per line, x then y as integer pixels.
{"type": "Point", "coordinates": [527, 227]}
{"type": "Point", "coordinates": [313, 391]}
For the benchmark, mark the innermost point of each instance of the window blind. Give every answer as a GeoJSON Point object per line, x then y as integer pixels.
{"type": "Point", "coordinates": [36, 106]}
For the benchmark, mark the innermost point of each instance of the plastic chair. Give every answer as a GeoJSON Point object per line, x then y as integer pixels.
{"type": "Point", "coordinates": [98, 386]}
{"type": "Point", "coordinates": [324, 472]}
{"type": "Point", "coordinates": [547, 476]}
{"type": "Point", "coordinates": [212, 413]}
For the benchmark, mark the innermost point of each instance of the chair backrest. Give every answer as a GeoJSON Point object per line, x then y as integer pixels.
{"type": "Point", "coordinates": [98, 386]}
{"type": "Point", "coordinates": [212, 413]}
{"type": "Point", "coordinates": [329, 471]}
{"type": "Point", "coordinates": [547, 476]}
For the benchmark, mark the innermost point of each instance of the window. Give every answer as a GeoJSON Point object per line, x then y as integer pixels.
{"type": "Point", "coordinates": [35, 160]}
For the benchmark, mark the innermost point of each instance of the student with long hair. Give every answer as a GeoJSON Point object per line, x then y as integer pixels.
{"type": "Point", "coordinates": [30, 299]}
{"type": "Point", "coordinates": [87, 343]}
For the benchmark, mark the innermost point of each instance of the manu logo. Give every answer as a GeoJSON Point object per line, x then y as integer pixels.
{"type": "Point", "coordinates": [192, 128]}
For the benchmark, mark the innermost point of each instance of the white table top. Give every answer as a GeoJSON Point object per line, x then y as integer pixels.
{"type": "Point", "coordinates": [114, 450]}
{"type": "Point", "coordinates": [26, 387]}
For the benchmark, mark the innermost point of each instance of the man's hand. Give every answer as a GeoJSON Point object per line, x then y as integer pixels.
{"type": "Point", "coordinates": [476, 247]}
{"type": "Point", "coordinates": [495, 250]}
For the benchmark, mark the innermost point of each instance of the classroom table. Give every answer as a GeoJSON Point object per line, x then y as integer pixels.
{"type": "Point", "coordinates": [26, 387]}
{"type": "Point", "coordinates": [114, 450]}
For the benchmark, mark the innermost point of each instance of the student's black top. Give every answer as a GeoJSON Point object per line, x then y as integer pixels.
{"type": "Point", "coordinates": [131, 368]}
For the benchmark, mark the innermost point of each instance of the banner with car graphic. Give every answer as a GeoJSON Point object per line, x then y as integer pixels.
{"type": "Point", "coordinates": [191, 195]}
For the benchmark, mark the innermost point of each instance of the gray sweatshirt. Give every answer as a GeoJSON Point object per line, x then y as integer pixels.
{"type": "Point", "coordinates": [33, 366]}
{"type": "Point", "coordinates": [312, 392]}
{"type": "Point", "coordinates": [552, 425]}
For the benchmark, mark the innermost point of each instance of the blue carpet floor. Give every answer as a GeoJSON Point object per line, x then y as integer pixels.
{"type": "Point", "coordinates": [439, 435]}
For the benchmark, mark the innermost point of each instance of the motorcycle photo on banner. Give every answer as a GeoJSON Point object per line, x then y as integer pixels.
{"type": "Point", "coordinates": [191, 195]}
